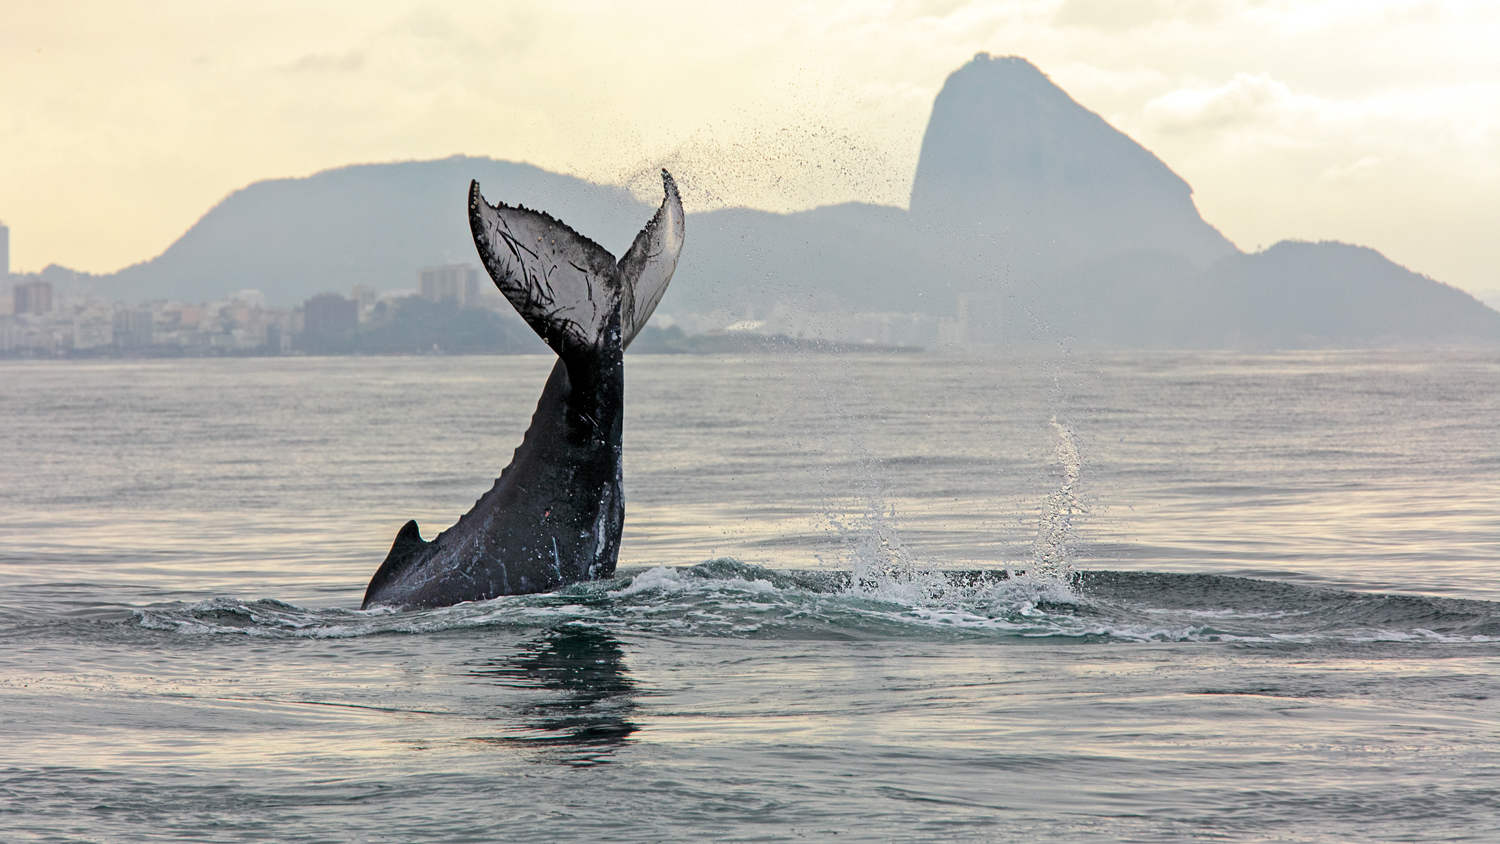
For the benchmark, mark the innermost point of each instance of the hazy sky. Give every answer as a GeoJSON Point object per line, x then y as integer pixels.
{"type": "Point", "coordinates": [1375, 121]}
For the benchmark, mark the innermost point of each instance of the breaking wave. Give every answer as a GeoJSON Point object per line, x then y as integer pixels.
{"type": "Point", "coordinates": [726, 598]}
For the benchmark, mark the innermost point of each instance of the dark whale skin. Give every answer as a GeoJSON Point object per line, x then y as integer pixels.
{"type": "Point", "coordinates": [555, 514]}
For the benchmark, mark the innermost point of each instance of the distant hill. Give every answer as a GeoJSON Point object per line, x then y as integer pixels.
{"type": "Point", "coordinates": [1008, 150]}
{"type": "Point", "coordinates": [1313, 295]}
{"type": "Point", "coordinates": [747, 261]}
{"type": "Point", "coordinates": [371, 224]}
{"type": "Point", "coordinates": [1080, 236]}
{"type": "Point", "coordinates": [1294, 295]}
{"type": "Point", "coordinates": [1024, 203]}
{"type": "Point", "coordinates": [1015, 181]}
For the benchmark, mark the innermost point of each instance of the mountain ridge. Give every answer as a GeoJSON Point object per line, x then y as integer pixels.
{"type": "Point", "coordinates": [1005, 144]}
{"type": "Point", "coordinates": [1022, 198]}
{"type": "Point", "coordinates": [293, 237]}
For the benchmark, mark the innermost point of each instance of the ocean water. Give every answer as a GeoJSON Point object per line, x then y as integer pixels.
{"type": "Point", "coordinates": [863, 598]}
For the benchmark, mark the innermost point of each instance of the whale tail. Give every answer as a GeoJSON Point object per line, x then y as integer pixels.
{"type": "Point", "coordinates": [648, 264]}
{"type": "Point", "coordinates": [556, 513]}
{"type": "Point", "coordinates": [569, 289]}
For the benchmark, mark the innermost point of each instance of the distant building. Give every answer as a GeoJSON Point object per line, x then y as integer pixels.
{"type": "Point", "coordinates": [133, 329]}
{"type": "Point", "coordinates": [249, 298]}
{"type": "Point", "coordinates": [949, 333]}
{"type": "Point", "coordinates": [32, 297]}
{"type": "Point", "coordinates": [327, 316]}
{"type": "Point", "coordinates": [191, 316]}
{"type": "Point", "coordinates": [4, 252]}
{"type": "Point", "coordinates": [452, 283]}
{"type": "Point", "coordinates": [364, 298]}
{"type": "Point", "coordinates": [91, 333]}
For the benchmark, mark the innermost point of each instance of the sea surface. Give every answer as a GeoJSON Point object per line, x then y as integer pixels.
{"type": "Point", "coordinates": [886, 598]}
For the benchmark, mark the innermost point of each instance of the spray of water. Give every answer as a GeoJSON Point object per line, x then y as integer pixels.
{"type": "Point", "coordinates": [882, 568]}
{"type": "Point", "coordinates": [1052, 553]}
{"type": "Point", "coordinates": [1048, 576]}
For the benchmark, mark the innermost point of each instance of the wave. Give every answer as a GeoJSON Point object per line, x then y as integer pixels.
{"type": "Point", "coordinates": [726, 598]}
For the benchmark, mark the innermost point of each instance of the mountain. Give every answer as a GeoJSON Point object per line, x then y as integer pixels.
{"type": "Point", "coordinates": [1329, 294]}
{"type": "Point", "coordinates": [1294, 295]}
{"type": "Point", "coordinates": [1030, 214]}
{"type": "Point", "coordinates": [371, 224]}
{"type": "Point", "coordinates": [747, 261]}
{"type": "Point", "coordinates": [1009, 150]}
{"type": "Point", "coordinates": [1076, 234]}
{"type": "Point", "coordinates": [1015, 182]}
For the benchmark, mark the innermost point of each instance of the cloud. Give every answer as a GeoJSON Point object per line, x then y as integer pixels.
{"type": "Point", "coordinates": [1361, 169]}
{"type": "Point", "coordinates": [1125, 15]}
{"type": "Point", "coordinates": [429, 22]}
{"type": "Point", "coordinates": [1245, 99]}
{"type": "Point", "coordinates": [349, 62]}
{"type": "Point", "coordinates": [1457, 123]}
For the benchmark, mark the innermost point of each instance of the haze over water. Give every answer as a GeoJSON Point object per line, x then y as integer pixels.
{"type": "Point", "coordinates": [1260, 603]}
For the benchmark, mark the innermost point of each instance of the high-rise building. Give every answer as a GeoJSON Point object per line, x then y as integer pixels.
{"type": "Point", "coordinates": [4, 252]}
{"type": "Point", "coordinates": [32, 297]}
{"type": "Point", "coordinates": [451, 283]}
{"type": "Point", "coordinates": [133, 328]}
{"type": "Point", "coordinates": [364, 300]}
{"type": "Point", "coordinates": [326, 317]}
{"type": "Point", "coordinates": [90, 332]}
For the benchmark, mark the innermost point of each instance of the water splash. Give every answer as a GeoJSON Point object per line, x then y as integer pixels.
{"type": "Point", "coordinates": [880, 565]}
{"type": "Point", "coordinates": [1052, 552]}
{"type": "Point", "coordinates": [882, 568]}
{"type": "Point", "coordinates": [870, 547]}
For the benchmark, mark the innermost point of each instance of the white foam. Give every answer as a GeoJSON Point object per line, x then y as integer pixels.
{"type": "Point", "coordinates": [660, 578]}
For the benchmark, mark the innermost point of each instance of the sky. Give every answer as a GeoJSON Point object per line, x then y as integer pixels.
{"type": "Point", "coordinates": [1374, 122]}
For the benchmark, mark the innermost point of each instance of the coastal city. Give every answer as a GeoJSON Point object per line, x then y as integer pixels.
{"type": "Point", "coordinates": [39, 320]}
{"type": "Point", "coordinates": [453, 309]}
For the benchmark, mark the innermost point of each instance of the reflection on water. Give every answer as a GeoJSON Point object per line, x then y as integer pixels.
{"type": "Point", "coordinates": [586, 713]}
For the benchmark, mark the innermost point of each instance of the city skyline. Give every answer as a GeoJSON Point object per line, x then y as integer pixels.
{"type": "Point", "coordinates": [34, 321]}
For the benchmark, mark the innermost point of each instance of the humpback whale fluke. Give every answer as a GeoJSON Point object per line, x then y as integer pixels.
{"type": "Point", "coordinates": [555, 513]}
